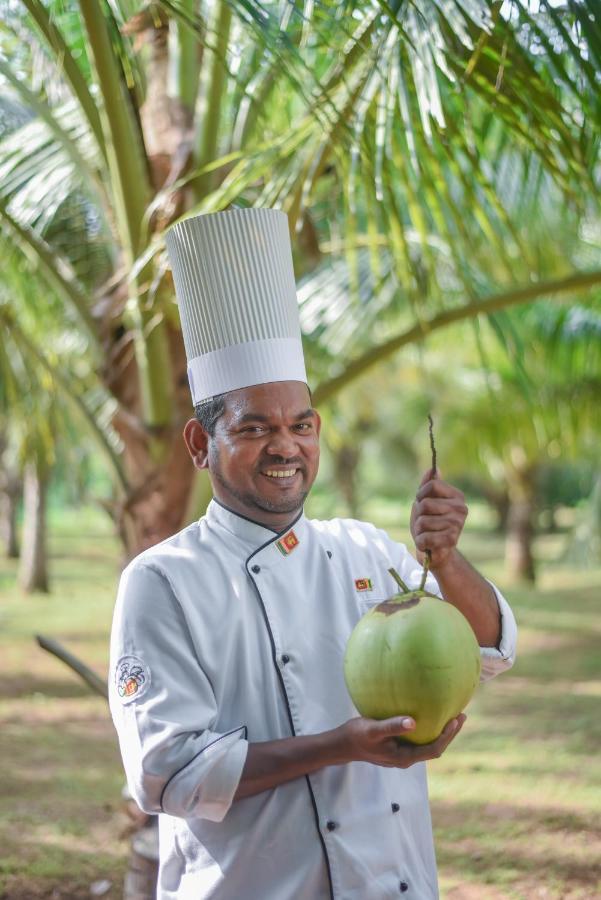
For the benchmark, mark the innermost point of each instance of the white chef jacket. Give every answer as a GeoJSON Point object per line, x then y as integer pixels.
{"type": "Point", "coordinates": [228, 633]}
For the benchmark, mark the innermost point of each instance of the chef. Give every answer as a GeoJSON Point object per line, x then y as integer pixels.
{"type": "Point", "coordinates": [226, 683]}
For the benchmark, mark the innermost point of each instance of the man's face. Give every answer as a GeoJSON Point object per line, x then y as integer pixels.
{"type": "Point", "coordinates": [264, 455]}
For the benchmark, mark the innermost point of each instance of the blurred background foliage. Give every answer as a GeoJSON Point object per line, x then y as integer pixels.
{"type": "Point", "coordinates": [439, 164]}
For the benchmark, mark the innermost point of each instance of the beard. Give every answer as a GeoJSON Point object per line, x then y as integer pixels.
{"type": "Point", "coordinates": [288, 503]}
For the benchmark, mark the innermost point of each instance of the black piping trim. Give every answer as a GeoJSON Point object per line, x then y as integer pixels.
{"type": "Point", "coordinates": [276, 534]}
{"type": "Point", "coordinates": [289, 711]}
{"type": "Point", "coordinates": [200, 752]}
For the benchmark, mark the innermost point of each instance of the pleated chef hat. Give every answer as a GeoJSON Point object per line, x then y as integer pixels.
{"type": "Point", "coordinates": [236, 293]}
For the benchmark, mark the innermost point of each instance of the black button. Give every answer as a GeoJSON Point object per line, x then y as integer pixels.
{"type": "Point", "coordinates": [256, 569]}
{"type": "Point", "coordinates": [329, 552]}
{"type": "Point", "coordinates": [395, 807]}
{"type": "Point", "coordinates": [285, 658]}
{"type": "Point", "coordinates": [403, 887]}
{"type": "Point", "coordinates": [331, 825]}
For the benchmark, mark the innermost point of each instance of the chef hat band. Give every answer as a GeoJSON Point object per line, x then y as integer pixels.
{"type": "Point", "coordinates": [236, 293]}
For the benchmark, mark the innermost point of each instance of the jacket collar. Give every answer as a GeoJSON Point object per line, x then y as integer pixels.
{"type": "Point", "coordinates": [251, 533]}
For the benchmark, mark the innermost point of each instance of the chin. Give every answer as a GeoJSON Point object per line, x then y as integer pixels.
{"type": "Point", "coordinates": [289, 505]}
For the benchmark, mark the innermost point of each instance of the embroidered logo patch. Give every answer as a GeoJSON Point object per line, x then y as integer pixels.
{"type": "Point", "coordinates": [363, 584]}
{"type": "Point", "coordinates": [132, 678]}
{"type": "Point", "coordinates": [287, 544]}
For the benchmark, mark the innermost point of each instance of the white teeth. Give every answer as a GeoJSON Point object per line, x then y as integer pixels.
{"type": "Point", "coordinates": [287, 473]}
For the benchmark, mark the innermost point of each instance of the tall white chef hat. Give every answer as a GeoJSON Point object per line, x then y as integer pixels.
{"type": "Point", "coordinates": [236, 293]}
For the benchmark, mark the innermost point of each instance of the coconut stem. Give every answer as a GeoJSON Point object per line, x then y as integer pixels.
{"type": "Point", "coordinates": [432, 445]}
{"type": "Point", "coordinates": [425, 569]}
{"type": "Point", "coordinates": [428, 554]}
{"type": "Point", "coordinates": [399, 581]}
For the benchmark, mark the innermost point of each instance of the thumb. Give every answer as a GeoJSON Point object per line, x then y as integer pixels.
{"type": "Point", "coordinates": [429, 475]}
{"type": "Point", "coordinates": [397, 725]}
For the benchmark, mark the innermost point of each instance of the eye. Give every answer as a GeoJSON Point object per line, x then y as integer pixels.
{"type": "Point", "coordinates": [304, 426]}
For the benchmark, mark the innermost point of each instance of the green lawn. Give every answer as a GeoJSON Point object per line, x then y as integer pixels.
{"type": "Point", "coordinates": [516, 801]}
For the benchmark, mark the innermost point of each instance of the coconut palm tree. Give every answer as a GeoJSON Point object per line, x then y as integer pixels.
{"type": "Point", "coordinates": [388, 132]}
{"type": "Point", "coordinates": [532, 404]}
{"type": "Point", "coordinates": [49, 398]}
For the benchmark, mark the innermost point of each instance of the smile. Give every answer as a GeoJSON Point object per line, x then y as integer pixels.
{"type": "Point", "coordinates": [280, 473]}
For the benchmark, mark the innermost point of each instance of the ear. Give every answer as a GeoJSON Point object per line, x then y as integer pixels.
{"type": "Point", "coordinates": [317, 422]}
{"type": "Point", "coordinates": [197, 442]}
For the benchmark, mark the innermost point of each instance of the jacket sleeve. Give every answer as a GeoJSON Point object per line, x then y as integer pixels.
{"type": "Point", "coordinates": [163, 706]}
{"type": "Point", "coordinates": [494, 660]}
{"type": "Point", "coordinates": [498, 659]}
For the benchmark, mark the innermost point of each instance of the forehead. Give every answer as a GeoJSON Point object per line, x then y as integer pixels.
{"type": "Point", "coordinates": [276, 399]}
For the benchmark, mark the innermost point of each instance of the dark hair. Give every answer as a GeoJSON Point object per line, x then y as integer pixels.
{"type": "Point", "coordinates": [209, 411]}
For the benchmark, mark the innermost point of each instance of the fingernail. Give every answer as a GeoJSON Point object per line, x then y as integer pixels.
{"type": "Point", "coordinates": [407, 723]}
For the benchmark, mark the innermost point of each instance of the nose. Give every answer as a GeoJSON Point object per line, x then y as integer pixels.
{"type": "Point", "coordinates": [282, 443]}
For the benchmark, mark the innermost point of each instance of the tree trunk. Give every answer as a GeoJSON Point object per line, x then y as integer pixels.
{"type": "Point", "coordinates": [346, 462]}
{"type": "Point", "coordinates": [9, 503]}
{"type": "Point", "coordinates": [584, 547]}
{"type": "Point", "coordinates": [519, 558]}
{"type": "Point", "coordinates": [499, 501]}
{"type": "Point", "coordinates": [158, 468]}
{"type": "Point", "coordinates": [33, 570]}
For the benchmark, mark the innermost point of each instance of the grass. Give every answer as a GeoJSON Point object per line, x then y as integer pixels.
{"type": "Point", "coordinates": [515, 802]}
{"type": "Point", "coordinates": [60, 808]}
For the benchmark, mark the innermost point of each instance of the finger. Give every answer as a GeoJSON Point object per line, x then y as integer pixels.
{"type": "Point", "coordinates": [413, 753]}
{"type": "Point", "coordinates": [450, 732]}
{"type": "Point", "coordinates": [437, 540]}
{"type": "Point", "coordinates": [436, 523]}
{"type": "Point", "coordinates": [436, 487]}
{"type": "Point", "coordinates": [433, 506]}
{"type": "Point", "coordinates": [437, 747]}
{"type": "Point", "coordinates": [385, 728]}
{"type": "Point", "coordinates": [454, 725]}
{"type": "Point", "coordinates": [429, 475]}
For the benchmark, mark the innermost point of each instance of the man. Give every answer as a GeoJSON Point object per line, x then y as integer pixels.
{"type": "Point", "coordinates": [227, 685]}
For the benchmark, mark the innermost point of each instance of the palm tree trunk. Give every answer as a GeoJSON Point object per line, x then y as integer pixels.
{"type": "Point", "coordinates": [33, 571]}
{"type": "Point", "coordinates": [159, 491]}
{"type": "Point", "coordinates": [498, 500]}
{"type": "Point", "coordinates": [519, 558]}
{"type": "Point", "coordinates": [9, 503]}
{"type": "Point", "coordinates": [346, 462]}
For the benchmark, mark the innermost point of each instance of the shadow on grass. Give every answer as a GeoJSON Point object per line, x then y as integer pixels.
{"type": "Point", "coordinates": [502, 843]}
{"type": "Point", "coordinates": [577, 659]}
{"type": "Point", "coordinates": [532, 716]}
{"type": "Point", "coordinates": [51, 873]}
{"type": "Point", "coordinates": [18, 687]}
{"type": "Point", "coordinates": [457, 817]}
{"type": "Point", "coordinates": [59, 811]}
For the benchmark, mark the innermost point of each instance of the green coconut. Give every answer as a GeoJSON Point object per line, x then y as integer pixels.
{"type": "Point", "coordinates": [416, 655]}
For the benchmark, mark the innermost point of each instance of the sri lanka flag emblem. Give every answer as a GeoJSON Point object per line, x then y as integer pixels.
{"type": "Point", "coordinates": [287, 543]}
{"type": "Point", "coordinates": [363, 584]}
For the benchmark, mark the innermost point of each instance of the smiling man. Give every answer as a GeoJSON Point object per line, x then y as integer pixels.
{"type": "Point", "coordinates": [255, 472]}
{"type": "Point", "coordinates": [238, 729]}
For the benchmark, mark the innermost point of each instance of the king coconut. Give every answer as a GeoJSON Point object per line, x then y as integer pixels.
{"type": "Point", "coordinates": [415, 655]}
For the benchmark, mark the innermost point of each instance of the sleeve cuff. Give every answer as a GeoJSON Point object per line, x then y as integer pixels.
{"type": "Point", "coordinates": [206, 786]}
{"type": "Point", "coordinates": [498, 659]}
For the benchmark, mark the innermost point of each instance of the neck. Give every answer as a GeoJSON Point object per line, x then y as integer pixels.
{"type": "Point", "coordinates": [276, 522]}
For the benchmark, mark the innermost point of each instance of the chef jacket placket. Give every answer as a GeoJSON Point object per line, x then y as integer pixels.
{"type": "Point", "coordinates": [258, 566]}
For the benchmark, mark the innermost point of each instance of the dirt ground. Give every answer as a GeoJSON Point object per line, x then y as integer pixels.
{"type": "Point", "coordinates": [516, 802]}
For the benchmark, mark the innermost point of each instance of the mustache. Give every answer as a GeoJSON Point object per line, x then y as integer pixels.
{"type": "Point", "coordinates": [293, 462]}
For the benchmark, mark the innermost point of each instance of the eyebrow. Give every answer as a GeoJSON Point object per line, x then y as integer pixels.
{"type": "Point", "coordinates": [258, 417]}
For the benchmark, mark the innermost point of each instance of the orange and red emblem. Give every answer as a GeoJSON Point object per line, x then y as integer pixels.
{"type": "Point", "coordinates": [363, 584]}
{"type": "Point", "coordinates": [132, 678]}
{"type": "Point", "coordinates": [287, 543]}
